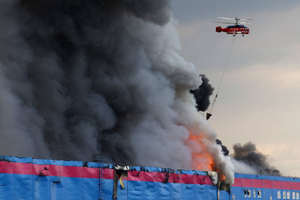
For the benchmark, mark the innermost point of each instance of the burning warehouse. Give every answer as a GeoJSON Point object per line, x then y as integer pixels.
{"type": "Point", "coordinates": [85, 77]}
{"type": "Point", "coordinates": [27, 178]}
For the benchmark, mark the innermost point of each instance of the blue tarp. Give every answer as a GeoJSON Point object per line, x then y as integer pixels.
{"type": "Point", "coordinates": [40, 179]}
{"type": "Point", "coordinates": [20, 178]}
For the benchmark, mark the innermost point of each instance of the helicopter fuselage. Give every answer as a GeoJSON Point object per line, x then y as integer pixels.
{"type": "Point", "coordinates": [235, 29]}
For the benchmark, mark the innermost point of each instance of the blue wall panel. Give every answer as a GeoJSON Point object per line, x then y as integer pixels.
{"type": "Point", "coordinates": [175, 189]}
{"type": "Point", "coordinates": [22, 186]}
{"type": "Point", "coordinates": [212, 192]}
{"type": "Point", "coordinates": [57, 191]}
{"type": "Point", "coordinates": [135, 189]}
{"type": "Point", "coordinates": [267, 193]}
{"type": "Point", "coordinates": [21, 178]}
{"type": "Point", "coordinates": [188, 191]}
{"type": "Point", "coordinates": [149, 192]}
{"type": "Point", "coordinates": [72, 188]}
{"type": "Point", "coordinates": [90, 188]}
{"type": "Point", "coordinates": [42, 189]}
{"type": "Point", "coordinates": [163, 191]}
{"type": "Point", "coordinates": [122, 193]}
{"type": "Point", "coordinates": [224, 195]}
{"type": "Point", "coordinates": [6, 186]}
{"type": "Point", "coordinates": [39, 187]}
{"type": "Point", "coordinates": [201, 192]}
{"type": "Point", "coordinates": [107, 188]}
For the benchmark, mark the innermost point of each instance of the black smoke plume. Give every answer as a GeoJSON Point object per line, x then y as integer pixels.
{"type": "Point", "coordinates": [203, 93]}
{"type": "Point", "coordinates": [80, 77]}
{"type": "Point", "coordinates": [76, 77]}
{"type": "Point", "coordinates": [224, 148]}
{"type": "Point", "coordinates": [249, 154]}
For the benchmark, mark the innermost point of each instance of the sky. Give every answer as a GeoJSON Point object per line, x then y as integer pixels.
{"type": "Point", "coordinates": [259, 99]}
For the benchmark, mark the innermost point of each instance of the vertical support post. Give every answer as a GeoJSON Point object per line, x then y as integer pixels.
{"type": "Point", "coordinates": [98, 158]}
{"type": "Point", "coordinates": [218, 186]}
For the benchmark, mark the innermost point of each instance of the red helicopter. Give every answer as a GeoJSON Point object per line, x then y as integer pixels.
{"type": "Point", "coordinates": [235, 29]}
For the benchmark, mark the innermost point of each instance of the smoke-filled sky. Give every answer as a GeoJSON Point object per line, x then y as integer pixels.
{"type": "Point", "coordinates": [85, 77]}
{"type": "Point", "coordinates": [259, 98]}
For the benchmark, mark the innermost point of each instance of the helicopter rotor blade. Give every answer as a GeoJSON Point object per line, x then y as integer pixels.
{"type": "Point", "coordinates": [233, 18]}
{"type": "Point", "coordinates": [246, 19]}
{"type": "Point", "coordinates": [228, 18]}
{"type": "Point", "coordinates": [237, 20]}
{"type": "Point", "coordinates": [224, 22]}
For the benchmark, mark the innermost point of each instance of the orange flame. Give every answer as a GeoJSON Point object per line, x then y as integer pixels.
{"type": "Point", "coordinates": [222, 178]}
{"type": "Point", "coordinates": [202, 159]}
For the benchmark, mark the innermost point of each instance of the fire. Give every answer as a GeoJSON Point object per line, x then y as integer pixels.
{"type": "Point", "coordinates": [222, 178]}
{"type": "Point", "coordinates": [202, 159]}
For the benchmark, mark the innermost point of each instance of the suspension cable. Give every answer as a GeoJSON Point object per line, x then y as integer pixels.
{"type": "Point", "coordinates": [209, 114]}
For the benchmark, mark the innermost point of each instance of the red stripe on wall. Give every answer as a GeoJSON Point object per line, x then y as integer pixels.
{"type": "Point", "coordinates": [295, 186]}
{"type": "Point", "coordinates": [203, 180]}
{"type": "Point", "coordinates": [246, 182]}
{"type": "Point", "coordinates": [70, 171]}
{"type": "Point", "coordinates": [52, 170]}
{"type": "Point", "coordinates": [237, 182]}
{"type": "Point", "coordinates": [55, 170]}
{"type": "Point", "coordinates": [90, 172]}
{"type": "Point", "coordinates": [257, 183]}
{"type": "Point", "coordinates": [175, 178]}
{"type": "Point", "coordinates": [108, 173]}
{"type": "Point", "coordinates": [186, 178]}
{"type": "Point", "coordinates": [268, 184]}
{"type": "Point", "coordinates": [138, 176]}
{"type": "Point", "coordinates": [6, 167]}
{"type": "Point", "coordinates": [286, 185]}
{"type": "Point", "coordinates": [87, 172]}
{"type": "Point", "coordinates": [167, 177]}
{"type": "Point", "coordinates": [277, 185]}
{"type": "Point", "coordinates": [22, 168]}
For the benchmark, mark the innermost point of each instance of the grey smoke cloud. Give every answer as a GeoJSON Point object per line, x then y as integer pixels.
{"type": "Point", "coordinates": [84, 77]}
{"type": "Point", "coordinates": [157, 12]}
{"type": "Point", "coordinates": [249, 155]}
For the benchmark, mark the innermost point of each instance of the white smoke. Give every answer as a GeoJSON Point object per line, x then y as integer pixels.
{"type": "Point", "coordinates": [242, 168]}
